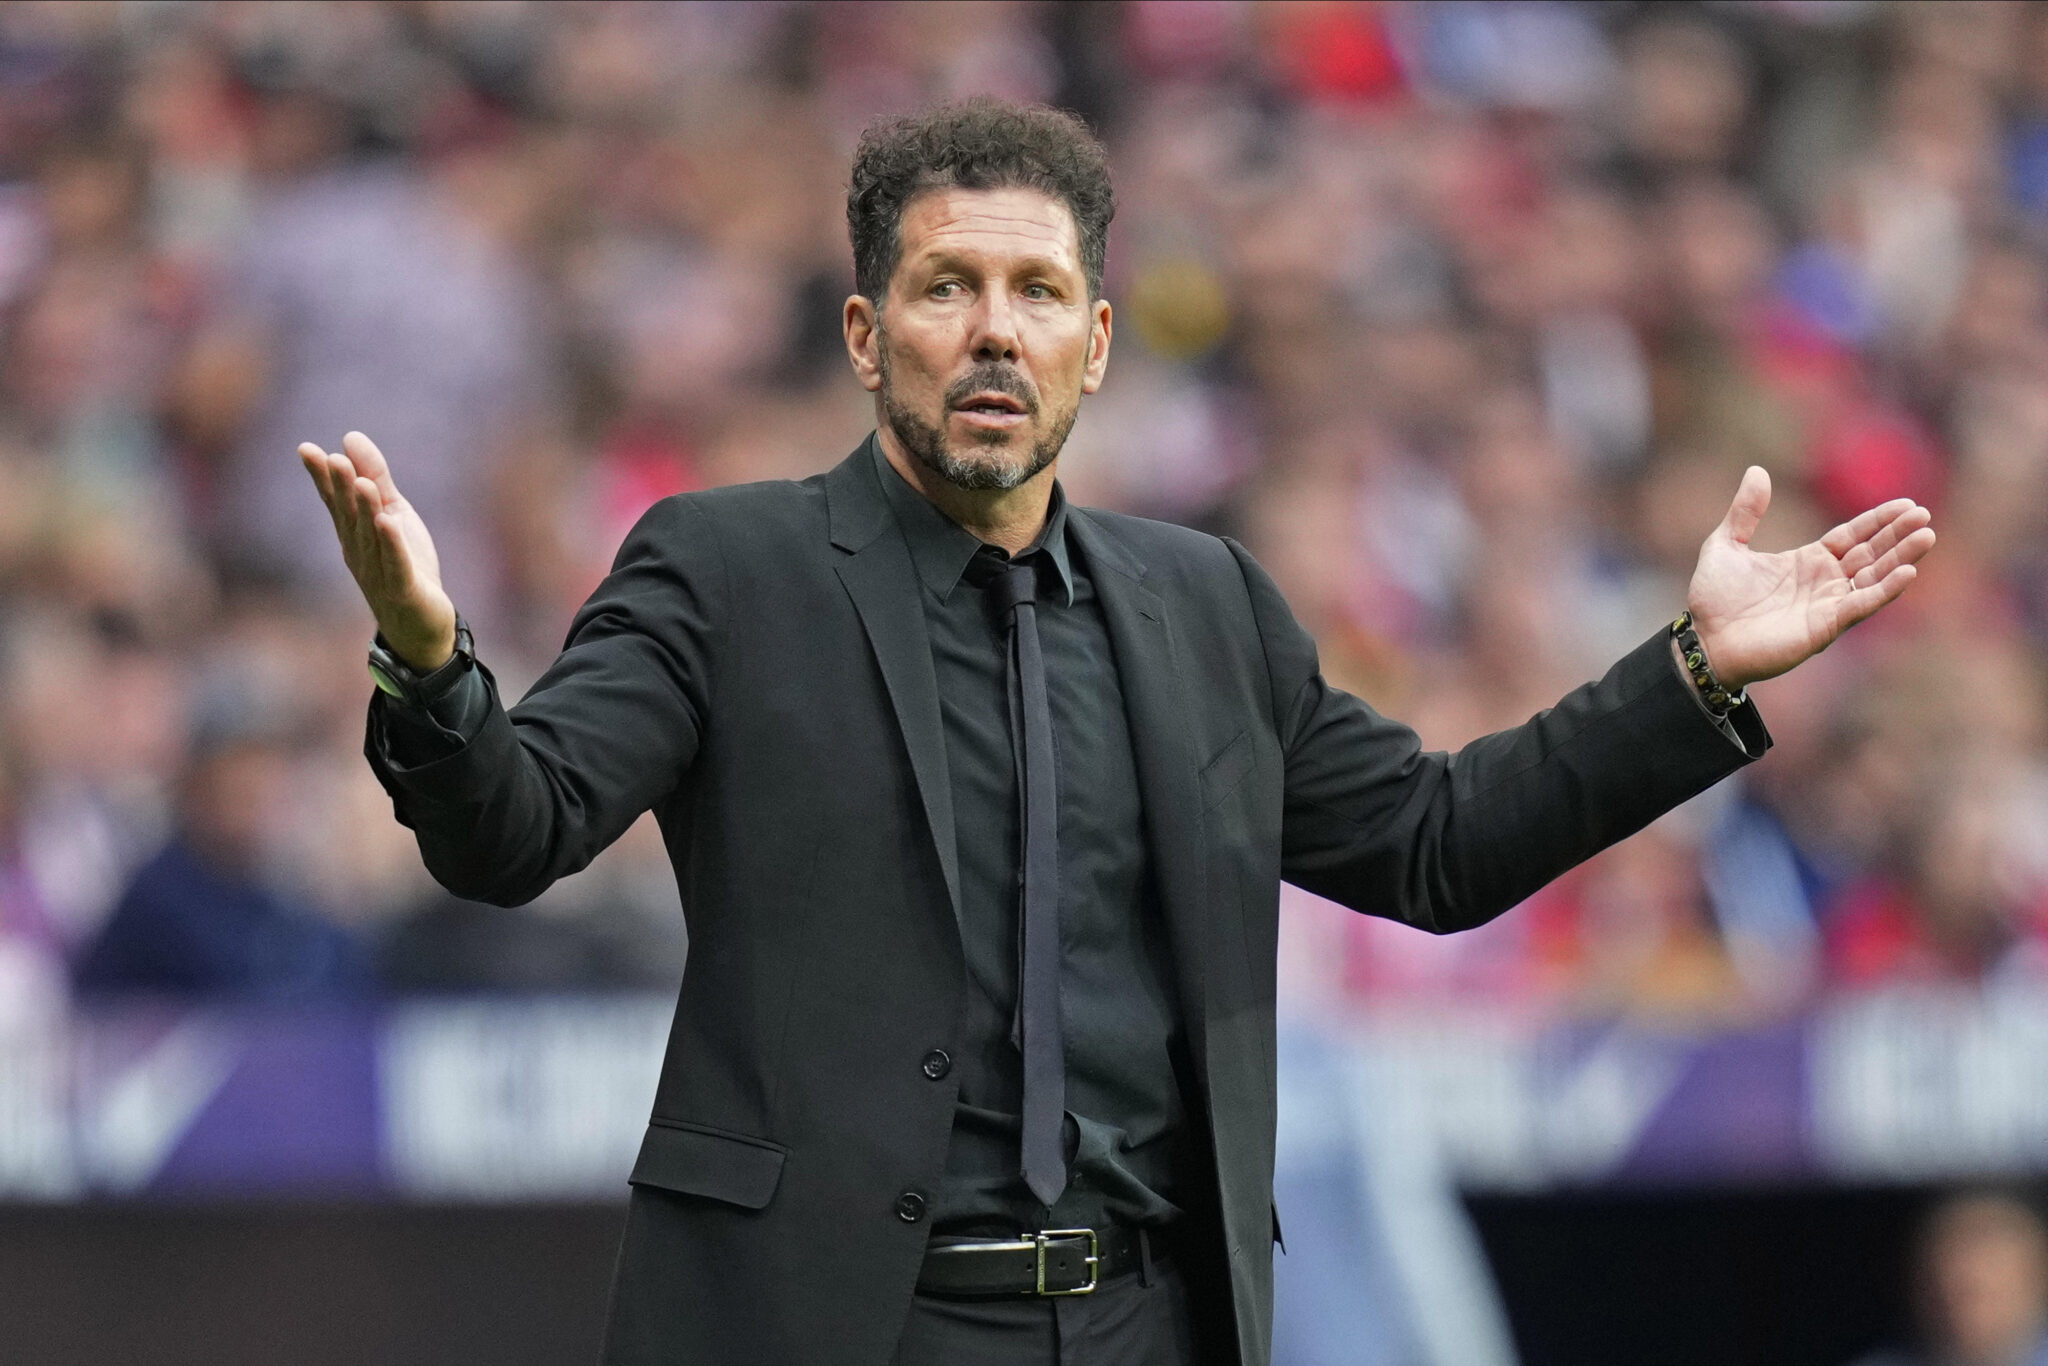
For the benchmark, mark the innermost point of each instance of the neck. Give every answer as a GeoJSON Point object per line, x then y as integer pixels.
{"type": "Point", "coordinates": [1010, 518]}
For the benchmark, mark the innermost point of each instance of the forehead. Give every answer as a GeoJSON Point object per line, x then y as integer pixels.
{"type": "Point", "coordinates": [1009, 223]}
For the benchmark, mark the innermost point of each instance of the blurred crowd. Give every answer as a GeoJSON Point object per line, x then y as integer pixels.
{"type": "Point", "coordinates": [1466, 319]}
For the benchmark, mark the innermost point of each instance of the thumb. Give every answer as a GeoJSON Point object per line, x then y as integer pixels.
{"type": "Point", "coordinates": [1751, 499]}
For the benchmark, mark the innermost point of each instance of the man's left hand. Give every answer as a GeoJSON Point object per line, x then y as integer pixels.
{"type": "Point", "coordinates": [1758, 615]}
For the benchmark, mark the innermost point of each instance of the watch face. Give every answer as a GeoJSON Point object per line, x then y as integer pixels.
{"type": "Point", "coordinates": [384, 681]}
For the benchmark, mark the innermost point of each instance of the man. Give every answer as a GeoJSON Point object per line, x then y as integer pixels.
{"type": "Point", "coordinates": [201, 917]}
{"type": "Point", "coordinates": [1981, 1272]}
{"type": "Point", "coordinates": [980, 804]}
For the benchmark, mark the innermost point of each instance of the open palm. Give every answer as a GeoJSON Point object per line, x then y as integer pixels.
{"type": "Point", "coordinates": [1760, 614]}
{"type": "Point", "coordinates": [386, 547]}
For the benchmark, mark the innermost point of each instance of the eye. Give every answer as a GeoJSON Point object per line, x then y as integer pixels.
{"type": "Point", "coordinates": [945, 289]}
{"type": "Point", "coordinates": [1037, 291]}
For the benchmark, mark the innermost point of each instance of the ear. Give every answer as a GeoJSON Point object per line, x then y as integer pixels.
{"type": "Point", "coordinates": [1098, 348]}
{"type": "Point", "coordinates": [863, 324]}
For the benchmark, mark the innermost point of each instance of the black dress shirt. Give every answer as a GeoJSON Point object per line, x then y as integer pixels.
{"type": "Point", "coordinates": [1120, 1015]}
{"type": "Point", "coordinates": [1126, 1051]}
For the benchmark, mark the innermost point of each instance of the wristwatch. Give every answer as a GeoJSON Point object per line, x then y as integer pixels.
{"type": "Point", "coordinates": [399, 679]}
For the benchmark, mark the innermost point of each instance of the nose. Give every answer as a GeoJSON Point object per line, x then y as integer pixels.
{"type": "Point", "coordinates": [995, 328]}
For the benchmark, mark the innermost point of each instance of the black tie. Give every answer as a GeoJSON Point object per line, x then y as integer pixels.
{"type": "Point", "coordinates": [1045, 1070]}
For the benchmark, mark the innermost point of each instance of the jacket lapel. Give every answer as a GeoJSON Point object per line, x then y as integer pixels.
{"type": "Point", "coordinates": [1157, 704]}
{"type": "Point", "coordinates": [880, 578]}
{"type": "Point", "coordinates": [883, 584]}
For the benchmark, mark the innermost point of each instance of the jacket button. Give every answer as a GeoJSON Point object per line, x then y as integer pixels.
{"type": "Point", "coordinates": [910, 1207]}
{"type": "Point", "coordinates": [937, 1063]}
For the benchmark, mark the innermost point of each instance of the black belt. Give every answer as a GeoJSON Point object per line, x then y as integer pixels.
{"type": "Point", "coordinates": [1060, 1261]}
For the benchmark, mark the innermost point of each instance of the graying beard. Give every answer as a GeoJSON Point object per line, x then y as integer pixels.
{"type": "Point", "coordinates": [928, 444]}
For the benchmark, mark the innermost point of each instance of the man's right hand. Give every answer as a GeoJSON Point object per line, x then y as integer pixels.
{"type": "Point", "coordinates": [387, 548]}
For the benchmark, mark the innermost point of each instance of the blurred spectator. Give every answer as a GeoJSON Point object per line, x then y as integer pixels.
{"type": "Point", "coordinates": [365, 290]}
{"type": "Point", "coordinates": [32, 976]}
{"type": "Point", "coordinates": [1982, 1283]}
{"type": "Point", "coordinates": [1960, 903]}
{"type": "Point", "coordinates": [91, 718]}
{"type": "Point", "coordinates": [202, 916]}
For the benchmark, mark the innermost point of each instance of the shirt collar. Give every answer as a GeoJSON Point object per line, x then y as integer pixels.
{"type": "Point", "coordinates": [941, 548]}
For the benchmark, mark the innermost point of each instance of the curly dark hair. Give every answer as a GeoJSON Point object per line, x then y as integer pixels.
{"type": "Point", "coordinates": [977, 144]}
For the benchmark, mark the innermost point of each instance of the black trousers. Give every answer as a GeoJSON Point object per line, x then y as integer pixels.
{"type": "Point", "coordinates": [1138, 1319]}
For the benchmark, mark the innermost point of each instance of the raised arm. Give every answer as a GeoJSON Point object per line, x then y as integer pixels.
{"type": "Point", "coordinates": [1447, 841]}
{"type": "Point", "coordinates": [520, 798]}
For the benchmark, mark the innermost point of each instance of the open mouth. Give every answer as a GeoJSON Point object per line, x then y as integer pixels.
{"type": "Point", "coordinates": [988, 404]}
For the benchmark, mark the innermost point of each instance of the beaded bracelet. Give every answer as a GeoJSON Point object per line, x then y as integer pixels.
{"type": "Point", "coordinates": [1713, 692]}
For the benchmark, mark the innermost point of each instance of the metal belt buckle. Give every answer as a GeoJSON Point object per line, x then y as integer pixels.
{"type": "Point", "coordinates": [1093, 1259]}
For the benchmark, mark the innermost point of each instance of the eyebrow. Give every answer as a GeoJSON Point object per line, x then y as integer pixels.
{"type": "Point", "coordinates": [949, 258]}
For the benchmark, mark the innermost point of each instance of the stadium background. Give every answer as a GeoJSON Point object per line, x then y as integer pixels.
{"type": "Point", "coordinates": [1464, 318]}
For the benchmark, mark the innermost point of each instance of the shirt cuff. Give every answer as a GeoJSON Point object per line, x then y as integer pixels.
{"type": "Point", "coordinates": [1741, 725]}
{"type": "Point", "coordinates": [446, 718]}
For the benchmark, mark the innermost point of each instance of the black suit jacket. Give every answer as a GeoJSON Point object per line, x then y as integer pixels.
{"type": "Point", "coordinates": [755, 670]}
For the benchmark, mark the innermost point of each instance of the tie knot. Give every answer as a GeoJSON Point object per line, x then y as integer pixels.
{"type": "Point", "coordinates": [1013, 586]}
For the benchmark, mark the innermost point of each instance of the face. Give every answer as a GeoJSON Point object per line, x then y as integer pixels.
{"type": "Point", "coordinates": [980, 353]}
{"type": "Point", "coordinates": [231, 799]}
{"type": "Point", "coordinates": [1987, 1273]}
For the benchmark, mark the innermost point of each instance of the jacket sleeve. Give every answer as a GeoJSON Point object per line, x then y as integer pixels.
{"type": "Point", "coordinates": [612, 726]}
{"type": "Point", "coordinates": [418, 732]}
{"type": "Point", "coordinates": [1448, 841]}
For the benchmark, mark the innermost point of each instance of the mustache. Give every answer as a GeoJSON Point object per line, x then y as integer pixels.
{"type": "Point", "coordinates": [993, 377]}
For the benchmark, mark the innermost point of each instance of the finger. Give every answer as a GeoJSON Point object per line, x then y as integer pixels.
{"type": "Point", "coordinates": [341, 481]}
{"type": "Point", "coordinates": [393, 552]}
{"type": "Point", "coordinates": [1905, 552]}
{"type": "Point", "coordinates": [1869, 552]}
{"type": "Point", "coordinates": [1844, 537]}
{"type": "Point", "coordinates": [334, 488]}
{"type": "Point", "coordinates": [369, 499]}
{"type": "Point", "coordinates": [370, 462]}
{"type": "Point", "coordinates": [341, 472]}
{"type": "Point", "coordinates": [315, 461]}
{"type": "Point", "coordinates": [1752, 498]}
{"type": "Point", "coordinates": [366, 504]}
{"type": "Point", "coordinates": [1862, 603]}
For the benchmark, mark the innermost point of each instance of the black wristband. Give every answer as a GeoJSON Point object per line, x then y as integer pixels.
{"type": "Point", "coordinates": [1719, 700]}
